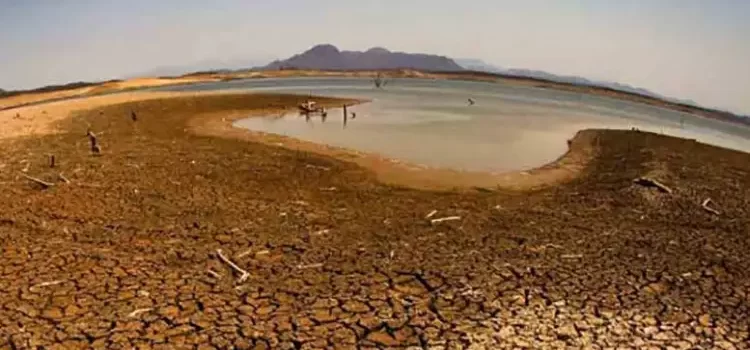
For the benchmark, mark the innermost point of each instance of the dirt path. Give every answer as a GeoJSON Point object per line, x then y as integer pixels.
{"type": "Point", "coordinates": [126, 254]}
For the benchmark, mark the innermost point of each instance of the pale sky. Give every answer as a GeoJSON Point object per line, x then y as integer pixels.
{"type": "Point", "coordinates": [690, 49]}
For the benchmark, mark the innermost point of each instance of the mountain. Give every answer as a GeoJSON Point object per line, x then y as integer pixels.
{"type": "Point", "coordinates": [479, 65]}
{"type": "Point", "coordinates": [329, 57]}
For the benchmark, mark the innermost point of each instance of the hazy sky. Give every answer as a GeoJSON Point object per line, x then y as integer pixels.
{"type": "Point", "coordinates": [693, 49]}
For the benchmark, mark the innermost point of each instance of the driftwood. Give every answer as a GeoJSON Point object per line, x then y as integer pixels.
{"type": "Point", "coordinates": [45, 284]}
{"type": "Point", "coordinates": [244, 274]}
{"type": "Point", "coordinates": [138, 312]}
{"type": "Point", "coordinates": [571, 256]}
{"type": "Point", "coordinates": [94, 142]}
{"type": "Point", "coordinates": [448, 218]}
{"type": "Point", "coordinates": [705, 207]}
{"type": "Point", "coordinates": [649, 182]}
{"type": "Point", "coordinates": [44, 184]}
{"type": "Point", "coordinates": [310, 266]}
{"type": "Point", "coordinates": [63, 178]}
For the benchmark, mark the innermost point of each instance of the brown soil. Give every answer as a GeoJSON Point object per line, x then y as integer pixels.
{"type": "Point", "coordinates": [125, 255]}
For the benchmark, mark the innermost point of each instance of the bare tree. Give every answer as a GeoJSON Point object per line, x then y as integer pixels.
{"type": "Point", "coordinates": [379, 81]}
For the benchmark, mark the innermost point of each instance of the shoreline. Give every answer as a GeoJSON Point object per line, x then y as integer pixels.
{"type": "Point", "coordinates": [567, 166]}
{"type": "Point", "coordinates": [43, 119]}
{"type": "Point", "coordinates": [33, 97]}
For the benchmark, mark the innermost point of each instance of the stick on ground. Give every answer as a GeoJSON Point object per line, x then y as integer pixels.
{"type": "Point", "coordinates": [705, 207]}
{"type": "Point", "coordinates": [63, 178]}
{"type": "Point", "coordinates": [44, 184]}
{"type": "Point", "coordinates": [138, 312]}
{"type": "Point", "coordinates": [448, 218]}
{"type": "Point", "coordinates": [649, 182]}
{"type": "Point", "coordinates": [244, 275]}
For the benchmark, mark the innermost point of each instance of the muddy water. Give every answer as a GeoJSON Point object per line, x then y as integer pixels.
{"type": "Point", "coordinates": [432, 123]}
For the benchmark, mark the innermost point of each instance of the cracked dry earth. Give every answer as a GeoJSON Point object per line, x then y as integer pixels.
{"type": "Point", "coordinates": [125, 255]}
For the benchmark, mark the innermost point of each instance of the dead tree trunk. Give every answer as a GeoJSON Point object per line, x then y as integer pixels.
{"type": "Point", "coordinates": [345, 115]}
{"type": "Point", "coordinates": [95, 149]}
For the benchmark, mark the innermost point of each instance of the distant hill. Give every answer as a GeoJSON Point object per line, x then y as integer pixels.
{"type": "Point", "coordinates": [329, 57]}
{"type": "Point", "coordinates": [481, 66]}
{"type": "Point", "coordinates": [200, 66]}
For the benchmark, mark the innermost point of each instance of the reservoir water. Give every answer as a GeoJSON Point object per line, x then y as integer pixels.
{"type": "Point", "coordinates": [431, 122]}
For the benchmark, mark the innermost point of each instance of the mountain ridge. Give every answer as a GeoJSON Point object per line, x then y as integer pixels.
{"type": "Point", "coordinates": [329, 57]}
{"type": "Point", "coordinates": [481, 66]}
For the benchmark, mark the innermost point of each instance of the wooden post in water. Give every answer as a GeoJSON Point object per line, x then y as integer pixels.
{"type": "Point", "coordinates": [345, 115]}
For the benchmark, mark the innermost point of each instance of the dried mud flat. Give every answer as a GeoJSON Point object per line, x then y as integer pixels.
{"type": "Point", "coordinates": [126, 255]}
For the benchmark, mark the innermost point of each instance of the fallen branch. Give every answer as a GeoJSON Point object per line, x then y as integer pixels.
{"type": "Point", "coordinates": [571, 256]}
{"type": "Point", "coordinates": [648, 182]}
{"type": "Point", "coordinates": [448, 218]}
{"type": "Point", "coordinates": [243, 254]}
{"type": "Point", "coordinates": [63, 178]}
{"type": "Point", "coordinates": [45, 284]}
{"type": "Point", "coordinates": [310, 266]}
{"type": "Point", "coordinates": [44, 184]}
{"type": "Point", "coordinates": [244, 275]}
{"type": "Point", "coordinates": [430, 214]}
{"type": "Point", "coordinates": [214, 274]}
{"type": "Point", "coordinates": [705, 207]}
{"type": "Point", "coordinates": [137, 312]}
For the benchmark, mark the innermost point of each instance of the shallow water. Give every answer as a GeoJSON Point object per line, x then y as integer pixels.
{"type": "Point", "coordinates": [430, 122]}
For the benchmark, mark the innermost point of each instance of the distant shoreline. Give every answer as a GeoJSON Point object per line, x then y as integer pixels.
{"type": "Point", "coordinates": [15, 99]}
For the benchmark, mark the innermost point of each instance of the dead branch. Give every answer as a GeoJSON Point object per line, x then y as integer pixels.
{"type": "Point", "coordinates": [447, 218]}
{"type": "Point", "coordinates": [63, 178]}
{"type": "Point", "coordinates": [214, 274]}
{"type": "Point", "coordinates": [94, 143]}
{"type": "Point", "coordinates": [649, 182]}
{"type": "Point", "coordinates": [243, 254]}
{"type": "Point", "coordinates": [44, 184]}
{"type": "Point", "coordinates": [705, 207]}
{"type": "Point", "coordinates": [310, 266]}
{"type": "Point", "coordinates": [571, 256]}
{"type": "Point", "coordinates": [137, 312]}
{"type": "Point", "coordinates": [45, 284]}
{"type": "Point", "coordinates": [244, 275]}
{"type": "Point", "coordinates": [431, 214]}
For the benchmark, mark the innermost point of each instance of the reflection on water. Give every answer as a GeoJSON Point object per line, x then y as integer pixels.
{"type": "Point", "coordinates": [432, 123]}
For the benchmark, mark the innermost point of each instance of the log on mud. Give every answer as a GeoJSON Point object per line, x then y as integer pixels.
{"type": "Point", "coordinates": [649, 182]}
